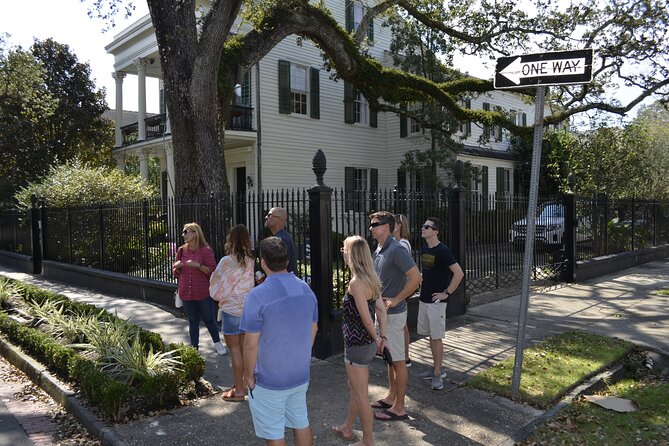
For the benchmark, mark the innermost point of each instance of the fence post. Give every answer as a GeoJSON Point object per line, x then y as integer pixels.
{"type": "Point", "coordinates": [145, 224]}
{"type": "Point", "coordinates": [44, 227]}
{"type": "Point", "coordinates": [101, 225]}
{"type": "Point", "coordinates": [320, 234]}
{"type": "Point", "coordinates": [605, 199]}
{"type": "Point", "coordinates": [457, 302]}
{"type": "Point", "coordinates": [569, 237]}
{"type": "Point", "coordinates": [35, 235]}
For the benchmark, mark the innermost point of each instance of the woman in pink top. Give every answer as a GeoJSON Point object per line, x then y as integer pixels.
{"type": "Point", "coordinates": [230, 283]}
{"type": "Point", "coordinates": [193, 265]}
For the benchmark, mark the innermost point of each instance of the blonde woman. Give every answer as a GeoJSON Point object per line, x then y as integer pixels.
{"type": "Point", "coordinates": [192, 267]}
{"type": "Point", "coordinates": [402, 234]}
{"type": "Point", "coordinates": [361, 341]}
{"type": "Point", "coordinates": [231, 282]}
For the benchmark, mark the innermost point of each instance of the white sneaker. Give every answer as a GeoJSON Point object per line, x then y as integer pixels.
{"type": "Point", "coordinates": [220, 348]}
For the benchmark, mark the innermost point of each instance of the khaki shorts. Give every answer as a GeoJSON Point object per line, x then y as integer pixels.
{"type": "Point", "coordinates": [395, 335]}
{"type": "Point", "coordinates": [432, 319]}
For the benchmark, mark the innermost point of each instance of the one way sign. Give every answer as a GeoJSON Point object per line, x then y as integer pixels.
{"type": "Point", "coordinates": [558, 68]}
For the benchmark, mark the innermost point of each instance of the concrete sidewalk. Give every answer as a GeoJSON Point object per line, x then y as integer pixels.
{"type": "Point", "coordinates": [622, 305]}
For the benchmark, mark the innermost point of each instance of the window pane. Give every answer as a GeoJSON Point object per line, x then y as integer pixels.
{"type": "Point", "coordinates": [298, 78]}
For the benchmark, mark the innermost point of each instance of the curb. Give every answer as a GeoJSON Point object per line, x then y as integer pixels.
{"type": "Point", "coordinates": [65, 397]}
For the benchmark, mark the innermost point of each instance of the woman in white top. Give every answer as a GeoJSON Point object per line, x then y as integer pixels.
{"type": "Point", "coordinates": [401, 234]}
{"type": "Point", "coordinates": [229, 284]}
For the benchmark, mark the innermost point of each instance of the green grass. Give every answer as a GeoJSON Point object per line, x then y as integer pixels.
{"type": "Point", "coordinates": [553, 366]}
{"type": "Point", "coordinates": [664, 292]}
{"type": "Point", "coordinates": [588, 424]}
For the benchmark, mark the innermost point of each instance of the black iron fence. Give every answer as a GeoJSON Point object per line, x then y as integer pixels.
{"type": "Point", "coordinates": [15, 231]}
{"type": "Point", "coordinates": [140, 238]}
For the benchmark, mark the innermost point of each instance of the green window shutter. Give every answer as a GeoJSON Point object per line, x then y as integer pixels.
{"type": "Point", "coordinates": [524, 119]}
{"type": "Point", "coordinates": [349, 104]}
{"type": "Point", "coordinates": [486, 127]}
{"type": "Point", "coordinates": [315, 93]}
{"type": "Point", "coordinates": [373, 118]}
{"type": "Point", "coordinates": [349, 186]}
{"type": "Point", "coordinates": [370, 32]}
{"type": "Point", "coordinates": [285, 101]}
{"type": "Point", "coordinates": [349, 16]}
{"type": "Point", "coordinates": [484, 186]}
{"type": "Point", "coordinates": [401, 180]}
{"type": "Point", "coordinates": [374, 187]}
{"type": "Point", "coordinates": [500, 181]}
{"type": "Point", "coordinates": [403, 121]}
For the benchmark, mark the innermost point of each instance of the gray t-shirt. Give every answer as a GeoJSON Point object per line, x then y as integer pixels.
{"type": "Point", "coordinates": [392, 262]}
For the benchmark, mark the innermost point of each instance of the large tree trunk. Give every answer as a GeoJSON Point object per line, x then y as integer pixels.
{"type": "Point", "coordinates": [190, 70]}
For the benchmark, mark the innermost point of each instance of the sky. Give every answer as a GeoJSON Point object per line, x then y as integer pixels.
{"type": "Point", "coordinates": [67, 22]}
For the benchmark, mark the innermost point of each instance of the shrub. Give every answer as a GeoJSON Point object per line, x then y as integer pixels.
{"type": "Point", "coordinates": [193, 364]}
{"type": "Point", "coordinates": [79, 184]}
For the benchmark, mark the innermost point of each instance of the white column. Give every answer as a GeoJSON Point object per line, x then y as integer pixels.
{"type": "Point", "coordinates": [144, 164]}
{"type": "Point", "coordinates": [120, 161]}
{"type": "Point", "coordinates": [168, 126]}
{"type": "Point", "coordinates": [141, 93]}
{"type": "Point", "coordinates": [118, 136]}
{"type": "Point", "coordinates": [169, 163]}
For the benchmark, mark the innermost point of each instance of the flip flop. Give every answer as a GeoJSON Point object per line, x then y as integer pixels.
{"type": "Point", "coordinates": [380, 404]}
{"type": "Point", "coordinates": [335, 430]}
{"type": "Point", "coordinates": [391, 416]}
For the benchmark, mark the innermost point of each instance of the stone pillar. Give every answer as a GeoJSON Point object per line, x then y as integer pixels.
{"type": "Point", "coordinates": [168, 126]}
{"type": "Point", "coordinates": [118, 136]}
{"type": "Point", "coordinates": [320, 237]}
{"type": "Point", "coordinates": [141, 96]}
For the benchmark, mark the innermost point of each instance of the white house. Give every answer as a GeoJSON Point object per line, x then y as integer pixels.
{"type": "Point", "coordinates": [288, 107]}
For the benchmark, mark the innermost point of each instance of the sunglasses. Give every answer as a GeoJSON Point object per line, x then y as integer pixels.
{"type": "Point", "coordinates": [186, 231]}
{"type": "Point", "coordinates": [429, 227]}
{"type": "Point", "coordinates": [376, 224]}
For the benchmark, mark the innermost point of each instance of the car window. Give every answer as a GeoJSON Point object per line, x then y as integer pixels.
{"type": "Point", "coordinates": [552, 211]}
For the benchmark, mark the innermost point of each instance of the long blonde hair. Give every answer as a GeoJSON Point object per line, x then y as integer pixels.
{"type": "Point", "coordinates": [404, 226]}
{"type": "Point", "coordinates": [361, 265]}
{"type": "Point", "coordinates": [199, 236]}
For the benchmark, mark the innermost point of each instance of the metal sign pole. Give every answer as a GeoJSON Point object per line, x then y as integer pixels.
{"type": "Point", "coordinates": [529, 238]}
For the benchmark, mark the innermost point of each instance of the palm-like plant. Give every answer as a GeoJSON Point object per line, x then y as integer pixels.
{"type": "Point", "coordinates": [7, 290]}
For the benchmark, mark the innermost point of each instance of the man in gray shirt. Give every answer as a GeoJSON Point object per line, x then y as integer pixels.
{"type": "Point", "coordinates": [400, 278]}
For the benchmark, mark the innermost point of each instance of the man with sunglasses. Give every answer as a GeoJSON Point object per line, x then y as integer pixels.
{"type": "Point", "coordinates": [275, 221]}
{"type": "Point", "coordinates": [400, 278]}
{"type": "Point", "coordinates": [441, 277]}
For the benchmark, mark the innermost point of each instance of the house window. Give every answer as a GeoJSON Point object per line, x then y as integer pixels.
{"type": "Point", "coordinates": [416, 180]}
{"type": "Point", "coordinates": [521, 118]}
{"type": "Point", "coordinates": [299, 86]}
{"type": "Point", "coordinates": [503, 182]}
{"type": "Point", "coordinates": [298, 89]}
{"type": "Point", "coordinates": [355, 11]}
{"type": "Point", "coordinates": [497, 129]}
{"type": "Point", "coordinates": [475, 185]}
{"type": "Point", "coordinates": [359, 108]}
{"type": "Point", "coordinates": [466, 127]}
{"type": "Point", "coordinates": [416, 115]}
{"type": "Point", "coordinates": [360, 187]}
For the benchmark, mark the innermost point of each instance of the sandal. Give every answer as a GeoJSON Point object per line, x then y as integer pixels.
{"type": "Point", "coordinates": [229, 395]}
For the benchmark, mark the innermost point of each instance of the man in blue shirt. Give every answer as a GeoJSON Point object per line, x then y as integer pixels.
{"type": "Point", "coordinates": [279, 323]}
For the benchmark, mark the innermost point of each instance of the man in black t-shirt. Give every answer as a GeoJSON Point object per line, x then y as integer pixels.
{"type": "Point", "coordinates": [441, 277]}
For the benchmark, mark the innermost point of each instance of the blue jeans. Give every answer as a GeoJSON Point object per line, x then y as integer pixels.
{"type": "Point", "coordinates": [201, 310]}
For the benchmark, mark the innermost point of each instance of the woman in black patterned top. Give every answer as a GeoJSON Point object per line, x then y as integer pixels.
{"type": "Point", "coordinates": [361, 341]}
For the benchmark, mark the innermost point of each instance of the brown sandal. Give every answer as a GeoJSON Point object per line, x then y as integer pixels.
{"type": "Point", "coordinates": [229, 395]}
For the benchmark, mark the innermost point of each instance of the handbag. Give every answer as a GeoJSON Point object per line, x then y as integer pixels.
{"type": "Point", "coordinates": [178, 303]}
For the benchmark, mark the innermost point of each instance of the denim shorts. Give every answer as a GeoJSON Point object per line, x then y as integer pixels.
{"type": "Point", "coordinates": [360, 355]}
{"type": "Point", "coordinates": [230, 325]}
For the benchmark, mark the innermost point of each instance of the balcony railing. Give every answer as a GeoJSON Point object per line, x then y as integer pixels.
{"type": "Point", "coordinates": [241, 118]}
